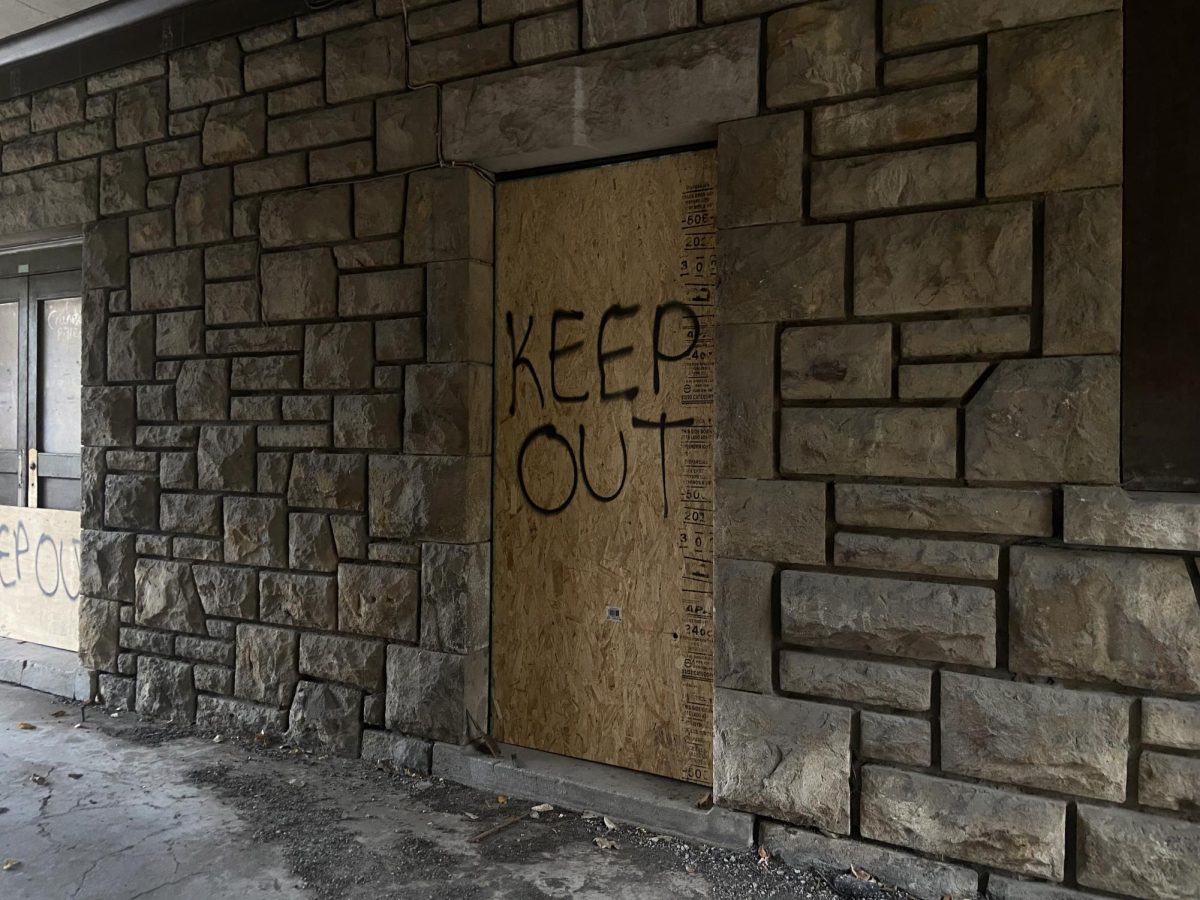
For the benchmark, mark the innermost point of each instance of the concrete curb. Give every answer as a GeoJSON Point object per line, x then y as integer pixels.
{"type": "Point", "coordinates": [44, 669]}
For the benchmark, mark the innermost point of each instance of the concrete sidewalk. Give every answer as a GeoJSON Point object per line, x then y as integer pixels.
{"type": "Point", "coordinates": [191, 818]}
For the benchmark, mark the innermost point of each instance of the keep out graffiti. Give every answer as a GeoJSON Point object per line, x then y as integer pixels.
{"type": "Point", "coordinates": [673, 335]}
{"type": "Point", "coordinates": [33, 559]}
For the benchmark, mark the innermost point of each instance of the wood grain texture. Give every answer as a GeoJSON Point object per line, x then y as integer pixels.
{"type": "Point", "coordinates": [602, 622]}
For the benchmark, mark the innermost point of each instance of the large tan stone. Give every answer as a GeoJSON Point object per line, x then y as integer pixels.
{"type": "Point", "coordinates": [823, 49]}
{"type": "Point", "coordinates": [978, 824]}
{"type": "Point", "coordinates": [434, 498]}
{"type": "Point", "coordinates": [1169, 781]}
{"type": "Point", "coordinates": [1171, 723]}
{"type": "Point", "coordinates": [1083, 273]}
{"type": "Point", "coordinates": [918, 556]}
{"type": "Point", "coordinates": [856, 680]}
{"type": "Point", "coordinates": [773, 521]}
{"type": "Point", "coordinates": [616, 21]}
{"type": "Point", "coordinates": [965, 337]}
{"type": "Point", "coordinates": [911, 117]}
{"type": "Point", "coordinates": [782, 273]}
{"type": "Point", "coordinates": [911, 23]}
{"type": "Point", "coordinates": [1038, 736]}
{"type": "Point", "coordinates": [836, 362]}
{"type": "Point", "coordinates": [786, 759]}
{"type": "Point", "coordinates": [1047, 420]}
{"type": "Point", "coordinates": [1142, 520]}
{"type": "Point", "coordinates": [935, 65]}
{"type": "Point", "coordinates": [861, 184]}
{"type": "Point", "coordinates": [913, 619]}
{"type": "Point", "coordinates": [939, 381]}
{"type": "Point", "coordinates": [760, 177]}
{"type": "Point", "coordinates": [745, 405]}
{"type": "Point", "coordinates": [365, 60]}
{"type": "Point", "coordinates": [1138, 855]}
{"type": "Point", "coordinates": [899, 739]}
{"type": "Point", "coordinates": [977, 258]}
{"type": "Point", "coordinates": [662, 93]}
{"type": "Point", "coordinates": [744, 625]}
{"type": "Point", "coordinates": [882, 441]}
{"type": "Point", "coordinates": [52, 197]}
{"type": "Point", "coordinates": [1054, 106]}
{"type": "Point", "coordinates": [1082, 615]}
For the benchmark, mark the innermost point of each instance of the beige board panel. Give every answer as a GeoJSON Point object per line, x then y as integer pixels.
{"type": "Point", "coordinates": [602, 617]}
{"type": "Point", "coordinates": [39, 576]}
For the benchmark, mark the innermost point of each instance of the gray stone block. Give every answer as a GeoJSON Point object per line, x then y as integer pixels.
{"type": "Point", "coordinates": [1111, 517]}
{"type": "Point", "coordinates": [202, 208]}
{"type": "Point", "coordinates": [255, 531]}
{"type": "Point", "coordinates": [773, 521]}
{"type": "Point", "coordinates": [918, 556]}
{"type": "Point", "coordinates": [907, 23]}
{"type": "Point", "coordinates": [305, 601]}
{"type": "Point", "coordinates": [856, 680]}
{"type": "Point", "coordinates": [266, 664]}
{"type": "Point", "coordinates": [430, 498]}
{"type": "Point", "coordinates": [441, 696]}
{"type": "Point", "coordinates": [206, 650]}
{"type": "Point", "coordinates": [179, 333]}
{"type": "Point", "coordinates": [108, 416]}
{"type": "Point", "coordinates": [166, 596]}
{"type": "Point", "coordinates": [782, 273]}
{"type": "Point", "coordinates": [325, 718]}
{"type": "Point", "coordinates": [165, 690]}
{"type": "Point", "coordinates": [965, 337]}
{"type": "Point", "coordinates": [381, 601]}
{"type": "Point", "coordinates": [166, 280]}
{"type": "Point", "coordinates": [939, 381]}
{"type": "Point", "coordinates": [933, 66]}
{"type": "Point", "coordinates": [225, 458]}
{"type": "Point", "coordinates": [285, 65]}
{"type": "Point", "coordinates": [911, 619]}
{"type": "Point", "coordinates": [320, 128]}
{"type": "Point", "coordinates": [897, 739]}
{"type": "Point", "coordinates": [1136, 854]}
{"type": "Point", "coordinates": [887, 181]}
{"type": "Point", "coordinates": [406, 131]}
{"type": "Point", "coordinates": [744, 632]}
{"type": "Point", "coordinates": [273, 174]}
{"type": "Point", "coordinates": [455, 597]}
{"type": "Point", "coordinates": [398, 292]}
{"type": "Point", "coordinates": [836, 362]}
{"type": "Point", "coordinates": [399, 751]}
{"type": "Point", "coordinates": [1168, 781]}
{"type": "Point", "coordinates": [349, 536]}
{"type": "Point", "coordinates": [448, 216]}
{"type": "Point", "coordinates": [106, 564]}
{"type": "Point", "coordinates": [141, 113]}
{"type": "Point", "coordinates": [448, 409]}
{"type": "Point", "coordinates": [367, 421]}
{"type": "Point", "coordinates": [745, 404]}
{"type": "Point", "coordinates": [823, 49]}
{"type": "Point", "coordinates": [458, 318]}
{"type": "Point", "coordinates": [327, 481]}
{"type": "Point", "coordinates": [57, 106]}
{"type": "Point", "coordinates": [1171, 723]}
{"type": "Point", "coordinates": [453, 58]}
{"type": "Point", "coordinates": [1015, 511]}
{"type": "Point", "coordinates": [337, 357]}
{"type": "Point", "coordinates": [226, 591]}
{"type": "Point", "coordinates": [131, 501]}
{"type": "Point", "coordinates": [236, 130]}
{"type": "Point", "coordinates": [971, 822]}
{"type": "Point", "coordinates": [1083, 273]}
{"type": "Point", "coordinates": [760, 180]}
{"type": "Point", "coordinates": [785, 759]}
{"type": "Point", "coordinates": [1123, 617]}
{"type": "Point", "coordinates": [883, 441]}
{"type": "Point", "coordinates": [310, 543]}
{"type": "Point", "coordinates": [312, 216]}
{"type": "Point", "coordinates": [98, 630]}
{"type": "Point", "coordinates": [546, 37]}
{"type": "Point", "coordinates": [105, 253]}
{"type": "Point", "coordinates": [131, 348]}
{"type": "Point", "coordinates": [926, 114]}
{"type": "Point", "coordinates": [379, 206]}
{"type": "Point", "coordinates": [225, 715]}
{"type": "Point", "coordinates": [231, 303]}
{"type": "Point", "coordinates": [365, 60]}
{"type": "Point", "coordinates": [190, 514]}
{"type": "Point", "coordinates": [49, 198]}
{"type": "Point", "coordinates": [205, 73]}
{"type": "Point", "coordinates": [397, 341]}
{"type": "Point", "coordinates": [345, 659]}
{"type": "Point", "coordinates": [619, 21]}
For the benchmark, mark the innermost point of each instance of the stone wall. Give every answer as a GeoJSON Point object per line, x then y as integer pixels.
{"type": "Point", "coordinates": [950, 648]}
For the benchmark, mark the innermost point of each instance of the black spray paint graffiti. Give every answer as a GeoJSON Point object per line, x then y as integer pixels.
{"type": "Point", "coordinates": [51, 568]}
{"type": "Point", "coordinates": [550, 434]}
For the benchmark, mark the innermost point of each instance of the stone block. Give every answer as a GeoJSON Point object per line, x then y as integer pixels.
{"type": "Point", "coordinates": [367, 421]}
{"type": "Point", "coordinates": [546, 37]}
{"type": "Point", "coordinates": [504, 10]}
{"type": "Point", "coordinates": [406, 130]}
{"type": "Point", "coordinates": [1109, 516]}
{"type": "Point", "coordinates": [349, 536]}
{"type": "Point", "coordinates": [667, 92]}
{"type": "Point", "coordinates": [908, 23]}
{"type": "Point", "coordinates": [1128, 618]}
{"type": "Point", "coordinates": [131, 348]}
{"type": "Point", "coordinates": [141, 113]}
{"type": "Point", "coordinates": [266, 339]}
{"type": "Point", "coordinates": [780, 273]}
{"type": "Point", "coordinates": [266, 664]}
{"type": "Point", "coordinates": [1083, 273]}
{"type": "Point", "coordinates": [28, 153]}
{"type": "Point", "coordinates": [255, 531]}
{"type": "Point", "coordinates": [131, 501]}
{"type": "Point", "coordinates": [925, 114]}
{"type": "Point", "coordinates": [265, 373]}
{"type": "Point", "coordinates": [448, 409]}
{"type": "Point", "coordinates": [381, 601]}
{"type": "Point", "coordinates": [1168, 781]}
{"type": "Point", "coordinates": [926, 879]}
{"type": "Point", "coordinates": [959, 259]}
{"type": "Point", "coordinates": [150, 231]}
{"type": "Point", "coordinates": [939, 381]}
{"type": "Point", "coordinates": [917, 556]}
{"type": "Point", "coordinates": [823, 49]}
{"type": "Point", "coordinates": [105, 253]}
{"type": "Point", "coordinates": [745, 401]}
{"type": "Point", "coordinates": [887, 181]}
{"type": "Point", "coordinates": [619, 21]}
{"type": "Point", "coordinates": [231, 260]}
{"type": "Point", "coordinates": [856, 680]}
{"type": "Point", "coordinates": [205, 73]}
{"type": "Point", "coordinates": [366, 60]}
{"type": "Point", "coordinates": [444, 19]}
{"type": "Point", "coordinates": [117, 692]}
{"type": "Point", "coordinates": [1037, 736]}
{"type": "Point", "coordinates": [882, 441]}
{"type": "Point", "coordinates": [337, 357]}
{"type": "Point", "coordinates": [396, 292]}
{"type": "Point", "coordinates": [179, 333]}
{"type": "Point", "coordinates": [106, 564]}
{"type": "Point", "coordinates": [773, 521]}
{"type": "Point", "coordinates": [311, 216]}
{"type": "Point", "coordinates": [301, 284]}
{"type": "Point", "coordinates": [310, 543]}
{"type": "Point", "coordinates": [452, 58]}
{"type": "Point", "coordinates": [1046, 420]}
{"type": "Point", "coordinates": [49, 198]}
{"type": "Point", "coordinates": [325, 718]}
{"type": "Point", "coordinates": [202, 207]}
{"type": "Point", "coordinates": [231, 303]}
{"type": "Point", "coordinates": [225, 458]}
{"type": "Point", "coordinates": [299, 437]}
{"type": "Point", "coordinates": [173, 157]}
{"type": "Point", "coordinates": [206, 650]}
{"type": "Point", "coordinates": [980, 824]}
{"type": "Point", "coordinates": [1055, 122]}
{"type": "Point", "coordinates": [166, 281]}
{"type": "Point", "coordinates": [760, 177]}
{"type": "Point", "coordinates": [399, 751]}
{"type": "Point", "coordinates": [345, 659]}
{"type": "Point", "coordinates": [57, 107]}
{"type": "Point", "coordinates": [1137, 855]}
{"type": "Point", "coordinates": [288, 64]}
{"type": "Point", "coordinates": [836, 362]}
{"type": "Point", "coordinates": [898, 739]}
{"type": "Point", "coordinates": [166, 596]}
{"type": "Point", "coordinates": [234, 131]}
{"type": "Point", "coordinates": [165, 690]}
{"type": "Point", "coordinates": [458, 318]}
{"type": "Point", "coordinates": [302, 97]}
{"type": "Point", "coordinates": [785, 759]}
{"type": "Point", "coordinates": [965, 337]}
{"type": "Point", "coordinates": [190, 514]}
{"type": "Point", "coordinates": [744, 625]}
{"type": "Point", "coordinates": [436, 695]}
{"type": "Point", "coordinates": [296, 600]}
{"type": "Point", "coordinates": [275, 173]}
{"type": "Point", "coordinates": [933, 66]}
{"type": "Point", "coordinates": [430, 498]}
{"type": "Point", "coordinates": [1171, 723]}
{"type": "Point", "coordinates": [98, 627]}
{"type": "Point", "coordinates": [320, 128]}
{"type": "Point", "coordinates": [107, 416]}
{"type": "Point", "coordinates": [912, 619]}
{"type": "Point", "coordinates": [226, 591]}
{"type": "Point", "coordinates": [341, 163]}
{"type": "Point", "coordinates": [1012, 889]}
{"type": "Point", "coordinates": [224, 715]}
{"type": "Point", "coordinates": [398, 340]}
{"type": "Point", "coordinates": [327, 481]}
{"type": "Point", "coordinates": [368, 255]}
{"type": "Point", "coordinates": [379, 206]}
{"type": "Point", "coordinates": [455, 597]}
{"type": "Point", "coordinates": [448, 216]}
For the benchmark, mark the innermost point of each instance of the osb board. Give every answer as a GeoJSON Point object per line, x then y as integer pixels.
{"type": "Point", "coordinates": [602, 610]}
{"type": "Point", "coordinates": [39, 576]}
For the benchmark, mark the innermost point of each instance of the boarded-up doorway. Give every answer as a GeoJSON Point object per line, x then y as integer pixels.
{"type": "Point", "coordinates": [602, 616]}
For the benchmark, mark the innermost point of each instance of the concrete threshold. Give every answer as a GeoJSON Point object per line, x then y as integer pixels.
{"type": "Point", "coordinates": [657, 804]}
{"type": "Point", "coordinates": [44, 669]}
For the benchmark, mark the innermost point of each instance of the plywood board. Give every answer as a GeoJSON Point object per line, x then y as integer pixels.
{"type": "Point", "coordinates": [602, 611]}
{"type": "Point", "coordinates": [39, 576]}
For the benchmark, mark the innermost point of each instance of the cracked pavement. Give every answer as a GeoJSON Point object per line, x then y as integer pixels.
{"type": "Point", "coordinates": [126, 810]}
